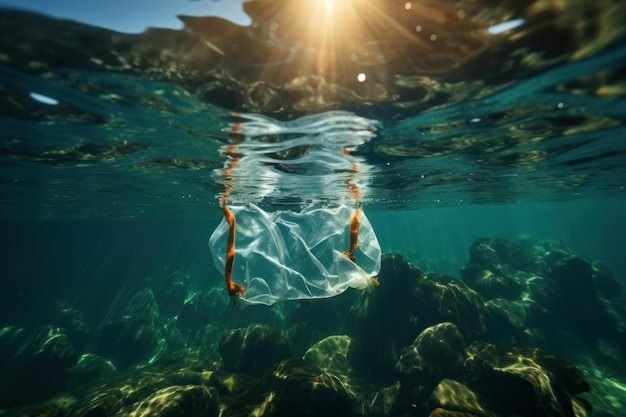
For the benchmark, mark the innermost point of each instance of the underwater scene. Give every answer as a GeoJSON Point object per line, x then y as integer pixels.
{"type": "Point", "coordinates": [355, 208]}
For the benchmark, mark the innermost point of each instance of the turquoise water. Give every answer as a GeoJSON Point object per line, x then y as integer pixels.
{"type": "Point", "coordinates": [83, 261]}
{"type": "Point", "coordinates": [448, 122]}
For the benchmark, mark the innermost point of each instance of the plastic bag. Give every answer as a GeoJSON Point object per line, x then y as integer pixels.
{"type": "Point", "coordinates": [285, 255]}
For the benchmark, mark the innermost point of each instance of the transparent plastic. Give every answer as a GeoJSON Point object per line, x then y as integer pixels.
{"type": "Point", "coordinates": [286, 255]}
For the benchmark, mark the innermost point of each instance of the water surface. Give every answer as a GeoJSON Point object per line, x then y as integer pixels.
{"type": "Point", "coordinates": [120, 131]}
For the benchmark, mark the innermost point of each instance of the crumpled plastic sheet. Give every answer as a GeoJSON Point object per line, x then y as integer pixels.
{"type": "Point", "coordinates": [286, 255]}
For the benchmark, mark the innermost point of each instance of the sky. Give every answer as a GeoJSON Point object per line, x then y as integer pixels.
{"type": "Point", "coordinates": [132, 16]}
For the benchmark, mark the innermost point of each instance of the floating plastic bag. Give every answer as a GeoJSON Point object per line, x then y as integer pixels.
{"type": "Point", "coordinates": [285, 255]}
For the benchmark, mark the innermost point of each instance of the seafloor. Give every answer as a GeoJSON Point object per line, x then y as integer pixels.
{"type": "Point", "coordinates": [530, 330]}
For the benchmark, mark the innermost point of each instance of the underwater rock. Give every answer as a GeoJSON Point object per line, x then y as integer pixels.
{"type": "Point", "coordinates": [103, 402]}
{"type": "Point", "coordinates": [524, 382]}
{"type": "Point", "coordinates": [600, 281]}
{"type": "Point", "coordinates": [209, 337]}
{"type": "Point", "coordinates": [253, 350]}
{"type": "Point", "coordinates": [497, 252]}
{"type": "Point", "coordinates": [508, 318]}
{"type": "Point", "coordinates": [554, 301]}
{"type": "Point", "coordinates": [607, 398]}
{"type": "Point", "coordinates": [583, 409]}
{"type": "Point", "coordinates": [313, 320]}
{"type": "Point", "coordinates": [195, 358]}
{"type": "Point", "coordinates": [57, 406]}
{"type": "Point", "coordinates": [52, 345]}
{"type": "Point", "coordinates": [213, 306]}
{"type": "Point", "coordinates": [126, 342]}
{"type": "Point", "coordinates": [330, 354]}
{"type": "Point", "coordinates": [441, 412]}
{"type": "Point", "coordinates": [75, 325]}
{"type": "Point", "coordinates": [143, 307]}
{"type": "Point", "coordinates": [501, 270]}
{"type": "Point", "coordinates": [170, 291]}
{"type": "Point", "coordinates": [388, 318]}
{"type": "Point", "coordinates": [294, 389]}
{"type": "Point", "coordinates": [577, 304]}
{"type": "Point", "coordinates": [198, 309]}
{"type": "Point", "coordinates": [228, 383]}
{"type": "Point", "coordinates": [179, 401]}
{"type": "Point", "coordinates": [605, 283]}
{"type": "Point", "coordinates": [122, 393]}
{"type": "Point", "coordinates": [511, 312]}
{"type": "Point", "coordinates": [385, 402]}
{"type": "Point", "coordinates": [90, 368]}
{"type": "Point", "coordinates": [453, 398]}
{"type": "Point", "coordinates": [497, 268]}
{"type": "Point", "coordinates": [172, 338]}
{"type": "Point", "coordinates": [134, 337]}
{"type": "Point", "coordinates": [13, 340]}
{"type": "Point", "coordinates": [565, 373]}
{"type": "Point", "coordinates": [437, 353]}
{"type": "Point", "coordinates": [575, 276]}
{"type": "Point", "coordinates": [491, 285]}
{"type": "Point", "coordinates": [538, 301]}
{"type": "Point", "coordinates": [33, 369]}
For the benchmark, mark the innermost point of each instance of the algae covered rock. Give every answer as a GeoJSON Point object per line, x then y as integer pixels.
{"type": "Point", "coordinates": [228, 383]}
{"type": "Point", "coordinates": [295, 389]}
{"type": "Point", "coordinates": [451, 397]}
{"type": "Point", "coordinates": [525, 382]}
{"type": "Point", "coordinates": [253, 350]}
{"type": "Point", "coordinates": [605, 282]}
{"type": "Point", "coordinates": [437, 353]}
{"type": "Point", "coordinates": [330, 354]}
{"type": "Point", "coordinates": [126, 341]}
{"type": "Point", "coordinates": [176, 384]}
{"type": "Point", "coordinates": [200, 308]}
{"type": "Point", "coordinates": [134, 336]}
{"type": "Point", "coordinates": [540, 294]}
{"type": "Point", "coordinates": [388, 318]}
{"type": "Point", "coordinates": [90, 368]}
{"type": "Point", "coordinates": [312, 320]}
{"type": "Point", "coordinates": [179, 401]}
{"type": "Point", "coordinates": [442, 412]}
{"type": "Point", "coordinates": [74, 324]}
{"type": "Point", "coordinates": [170, 290]}
{"type": "Point", "coordinates": [498, 268]}
{"type": "Point", "coordinates": [34, 368]}
{"type": "Point", "coordinates": [576, 301]}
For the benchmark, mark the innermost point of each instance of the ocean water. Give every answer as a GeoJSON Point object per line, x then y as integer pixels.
{"type": "Point", "coordinates": [484, 141]}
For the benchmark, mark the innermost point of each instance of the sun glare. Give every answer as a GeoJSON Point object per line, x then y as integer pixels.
{"type": "Point", "coordinates": [334, 35]}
